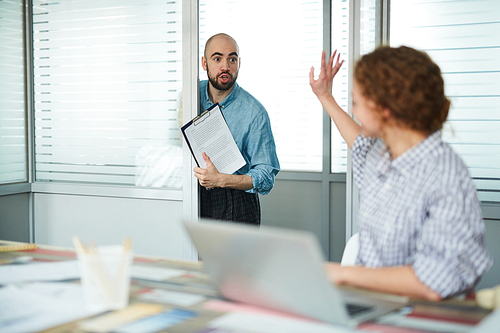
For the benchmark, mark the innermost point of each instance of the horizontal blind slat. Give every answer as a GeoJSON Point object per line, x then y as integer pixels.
{"type": "Point", "coordinates": [462, 38]}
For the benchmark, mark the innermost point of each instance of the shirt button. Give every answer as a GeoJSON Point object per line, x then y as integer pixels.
{"type": "Point", "coordinates": [387, 186]}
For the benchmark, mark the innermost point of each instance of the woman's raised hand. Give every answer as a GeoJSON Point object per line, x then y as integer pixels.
{"type": "Point", "coordinates": [322, 87]}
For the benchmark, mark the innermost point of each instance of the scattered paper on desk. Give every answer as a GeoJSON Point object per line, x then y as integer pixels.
{"type": "Point", "coordinates": [69, 269]}
{"type": "Point", "coordinates": [155, 273]}
{"type": "Point", "coordinates": [271, 324]}
{"type": "Point", "coordinates": [170, 297]}
{"type": "Point", "coordinates": [57, 291]}
{"type": "Point", "coordinates": [15, 307]}
{"type": "Point", "coordinates": [47, 271]}
{"type": "Point", "coordinates": [38, 306]}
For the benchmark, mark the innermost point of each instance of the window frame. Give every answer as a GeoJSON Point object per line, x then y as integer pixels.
{"type": "Point", "coordinates": [189, 194]}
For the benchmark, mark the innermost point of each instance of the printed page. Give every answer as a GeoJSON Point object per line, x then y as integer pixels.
{"type": "Point", "coordinates": [209, 134]}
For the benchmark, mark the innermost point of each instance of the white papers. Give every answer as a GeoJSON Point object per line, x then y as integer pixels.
{"type": "Point", "coordinates": [209, 134]}
{"type": "Point", "coordinates": [66, 270]}
{"type": "Point", "coordinates": [39, 306]}
{"type": "Point", "coordinates": [171, 297]}
{"type": "Point", "coordinates": [47, 271]}
{"type": "Point", "coordinates": [155, 273]}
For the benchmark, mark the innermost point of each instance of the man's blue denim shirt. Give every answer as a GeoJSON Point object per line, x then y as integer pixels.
{"type": "Point", "coordinates": [249, 123]}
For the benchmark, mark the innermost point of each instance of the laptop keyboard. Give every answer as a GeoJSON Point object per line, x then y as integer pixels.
{"type": "Point", "coordinates": [355, 309]}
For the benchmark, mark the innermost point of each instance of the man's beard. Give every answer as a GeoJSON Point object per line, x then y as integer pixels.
{"type": "Point", "coordinates": [222, 86]}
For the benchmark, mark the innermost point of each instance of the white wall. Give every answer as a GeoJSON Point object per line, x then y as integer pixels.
{"type": "Point", "coordinates": [154, 225]}
{"type": "Point", "coordinates": [297, 204]}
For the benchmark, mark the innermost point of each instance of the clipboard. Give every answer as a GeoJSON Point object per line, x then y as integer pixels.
{"type": "Point", "coordinates": [208, 133]}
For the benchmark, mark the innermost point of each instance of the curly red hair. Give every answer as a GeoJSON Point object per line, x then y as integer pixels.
{"type": "Point", "coordinates": [406, 82]}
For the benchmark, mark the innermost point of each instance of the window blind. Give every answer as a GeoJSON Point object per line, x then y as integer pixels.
{"type": "Point", "coordinates": [13, 163]}
{"type": "Point", "coordinates": [462, 38]}
{"type": "Point", "coordinates": [107, 82]}
{"type": "Point", "coordinates": [278, 46]}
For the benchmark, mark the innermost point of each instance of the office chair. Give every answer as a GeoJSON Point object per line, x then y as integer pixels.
{"type": "Point", "coordinates": [351, 250]}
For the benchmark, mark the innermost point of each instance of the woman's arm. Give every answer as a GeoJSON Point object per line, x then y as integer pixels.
{"type": "Point", "coordinates": [322, 87]}
{"type": "Point", "coordinates": [393, 280]}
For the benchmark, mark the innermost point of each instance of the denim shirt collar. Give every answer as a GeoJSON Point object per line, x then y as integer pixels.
{"type": "Point", "coordinates": [226, 101]}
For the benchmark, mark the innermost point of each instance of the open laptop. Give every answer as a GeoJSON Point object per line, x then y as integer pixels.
{"type": "Point", "coordinates": [280, 269]}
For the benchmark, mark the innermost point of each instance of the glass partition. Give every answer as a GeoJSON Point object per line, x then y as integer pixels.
{"type": "Point", "coordinates": [462, 38]}
{"type": "Point", "coordinates": [107, 83]}
{"type": "Point", "coordinates": [13, 151]}
{"type": "Point", "coordinates": [278, 45]}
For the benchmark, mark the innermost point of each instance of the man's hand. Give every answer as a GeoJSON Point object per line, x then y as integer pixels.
{"type": "Point", "coordinates": [209, 177]}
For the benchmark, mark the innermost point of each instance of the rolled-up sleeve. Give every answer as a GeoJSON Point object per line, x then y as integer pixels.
{"type": "Point", "coordinates": [263, 160]}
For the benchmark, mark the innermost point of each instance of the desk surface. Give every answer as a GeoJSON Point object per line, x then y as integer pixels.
{"type": "Point", "coordinates": [450, 316]}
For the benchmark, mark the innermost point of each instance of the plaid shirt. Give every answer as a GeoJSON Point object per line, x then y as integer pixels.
{"type": "Point", "coordinates": [421, 210]}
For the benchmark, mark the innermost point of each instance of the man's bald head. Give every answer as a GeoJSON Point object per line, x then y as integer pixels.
{"type": "Point", "coordinates": [219, 36]}
{"type": "Point", "coordinates": [222, 62]}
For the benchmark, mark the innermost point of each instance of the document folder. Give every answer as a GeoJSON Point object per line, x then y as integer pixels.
{"type": "Point", "coordinates": [208, 133]}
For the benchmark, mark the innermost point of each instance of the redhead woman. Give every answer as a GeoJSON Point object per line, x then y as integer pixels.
{"type": "Point", "coordinates": [420, 226]}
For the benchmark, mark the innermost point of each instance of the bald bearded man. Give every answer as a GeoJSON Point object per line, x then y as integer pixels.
{"type": "Point", "coordinates": [235, 197]}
